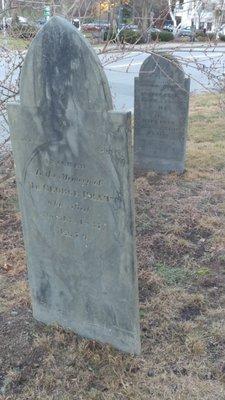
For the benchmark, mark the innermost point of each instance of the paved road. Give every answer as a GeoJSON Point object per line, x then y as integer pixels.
{"type": "Point", "coordinates": [206, 69]}
{"type": "Point", "coordinates": [7, 61]}
{"type": "Point", "coordinates": [121, 70]}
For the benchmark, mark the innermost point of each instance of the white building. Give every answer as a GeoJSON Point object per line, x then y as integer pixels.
{"type": "Point", "coordinates": [202, 14]}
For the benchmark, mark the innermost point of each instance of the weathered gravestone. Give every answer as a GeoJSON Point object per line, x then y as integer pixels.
{"type": "Point", "coordinates": [74, 174]}
{"type": "Point", "coordinates": [161, 116]}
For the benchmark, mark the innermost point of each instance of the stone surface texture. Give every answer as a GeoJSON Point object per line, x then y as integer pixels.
{"type": "Point", "coordinates": [161, 116]}
{"type": "Point", "coordinates": [73, 159]}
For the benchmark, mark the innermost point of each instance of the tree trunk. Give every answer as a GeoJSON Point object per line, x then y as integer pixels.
{"type": "Point", "coordinates": [171, 13]}
{"type": "Point", "coordinates": [145, 15]}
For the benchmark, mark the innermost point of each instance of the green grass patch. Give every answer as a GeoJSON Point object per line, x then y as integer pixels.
{"type": "Point", "coordinates": [173, 275]}
{"type": "Point", "coordinates": [14, 43]}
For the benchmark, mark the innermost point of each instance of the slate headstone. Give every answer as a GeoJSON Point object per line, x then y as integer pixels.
{"type": "Point", "coordinates": [161, 116]}
{"type": "Point", "coordinates": [74, 174]}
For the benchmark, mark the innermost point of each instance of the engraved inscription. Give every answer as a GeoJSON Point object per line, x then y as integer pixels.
{"type": "Point", "coordinates": [74, 206]}
{"type": "Point", "coordinates": [81, 223]}
{"type": "Point", "coordinates": [73, 179]}
{"type": "Point", "coordinates": [64, 214]}
{"type": "Point", "coordinates": [67, 192]}
{"type": "Point", "coordinates": [67, 164]}
{"type": "Point", "coordinates": [155, 120]}
{"type": "Point", "coordinates": [73, 235]}
{"type": "Point", "coordinates": [116, 154]}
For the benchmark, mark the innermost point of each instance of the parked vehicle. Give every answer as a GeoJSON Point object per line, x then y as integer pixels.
{"type": "Point", "coordinates": [22, 21]}
{"type": "Point", "coordinates": [169, 28]}
{"type": "Point", "coordinates": [131, 27]}
{"type": "Point", "coordinates": [152, 29]}
{"type": "Point", "coordinates": [21, 27]}
{"type": "Point", "coordinates": [95, 26]}
{"type": "Point", "coordinates": [185, 32]}
{"type": "Point", "coordinates": [222, 30]}
{"type": "Point", "coordinates": [152, 34]}
{"type": "Point", "coordinates": [76, 23]}
{"type": "Point", "coordinates": [7, 23]}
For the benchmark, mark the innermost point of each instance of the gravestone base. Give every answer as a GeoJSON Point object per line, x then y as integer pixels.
{"type": "Point", "coordinates": [126, 342]}
{"type": "Point", "coordinates": [159, 166]}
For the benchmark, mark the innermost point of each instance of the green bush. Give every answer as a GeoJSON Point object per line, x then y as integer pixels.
{"type": "Point", "coordinates": [204, 37]}
{"type": "Point", "coordinates": [23, 31]}
{"type": "Point", "coordinates": [161, 36]}
{"type": "Point", "coordinates": [211, 36]}
{"type": "Point", "coordinates": [166, 36]}
{"type": "Point", "coordinates": [153, 36]}
{"type": "Point", "coordinates": [130, 36]}
{"type": "Point", "coordinates": [109, 35]}
{"type": "Point", "coordinates": [125, 36]}
{"type": "Point", "coordinates": [200, 33]}
{"type": "Point", "coordinates": [201, 36]}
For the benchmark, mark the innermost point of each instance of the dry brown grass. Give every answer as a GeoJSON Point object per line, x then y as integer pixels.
{"type": "Point", "coordinates": [181, 259]}
{"type": "Point", "coordinates": [14, 43]}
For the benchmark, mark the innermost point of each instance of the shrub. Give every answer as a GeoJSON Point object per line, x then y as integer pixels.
{"type": "Point", "coordinates": [109, 35]}
{"type": "Point", "coordinates": [182, 39]}
{"type": "Point", "coordinates": [153, 36]}
{"type": "Point", "coordinates": [163, 36]}
{"type": "Point", "coordinates": [222, 37]}
{"type": "Point", "coordinates": [23, 31]}
{"type": "Point", "coordinates": [203, 37]}
{"type": "Point", "coordinates": [130, 36]}
{"type": "Point", "coordinates": [211, 36]}
{"type": "Point", "coordinates": [200, 33]}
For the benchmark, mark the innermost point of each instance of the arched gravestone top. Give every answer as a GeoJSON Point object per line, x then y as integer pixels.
{"type": "Point", "coordinates": [61, 67]}
{"type": "Point", "coordinates": [163, 65]}
{"type": "Point", "coordinates": [74, 174]}
{"type": "Point", "coordinates": [161, 115]}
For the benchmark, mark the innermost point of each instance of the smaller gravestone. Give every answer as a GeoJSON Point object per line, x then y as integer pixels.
{"type": "Point", "coordinates": [161, 115]}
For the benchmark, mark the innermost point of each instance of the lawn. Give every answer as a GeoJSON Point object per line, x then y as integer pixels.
{"type": "Point", "coordinates": [14, 43]}
{"type": "Point", "coordinates": [181, 259]}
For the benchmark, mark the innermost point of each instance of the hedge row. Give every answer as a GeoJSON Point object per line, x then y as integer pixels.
{"type": "Point", "coordinates": [133, 37]}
